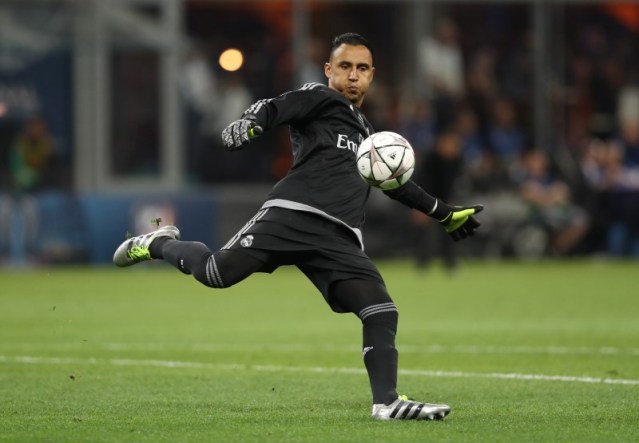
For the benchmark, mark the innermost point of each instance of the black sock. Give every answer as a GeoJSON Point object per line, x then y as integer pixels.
{"type": "Point", "coordinates": [380, 355]}
{"type": "Point", "coordinates": [370, 301]}
{"type": "Point", "coordinates": [186, 256]}
{"type": "Point", "coordinates": [156, 247]}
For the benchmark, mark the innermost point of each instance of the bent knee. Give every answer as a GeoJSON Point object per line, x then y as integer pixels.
{"type": "Point", "coordinates": [210, 272]}
{"type": "Point", "coordinates": [224, 269]}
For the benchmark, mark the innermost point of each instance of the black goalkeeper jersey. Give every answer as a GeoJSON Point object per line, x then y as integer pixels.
{"type": "Point", "coordinates": [326, 130]}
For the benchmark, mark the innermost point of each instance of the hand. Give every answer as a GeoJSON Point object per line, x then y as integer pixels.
{"type": "Point", "coordinates": [460, 223]}
{"type": "Point", "coordinates": [240, 132]}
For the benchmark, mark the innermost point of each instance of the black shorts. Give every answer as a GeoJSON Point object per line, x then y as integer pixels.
{"type": "Point", "coordinates": [323, 250]}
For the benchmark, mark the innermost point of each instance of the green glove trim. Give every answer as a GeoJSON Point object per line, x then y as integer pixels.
{"type": "Point", "coordinates": [456, 219]}
{"type": "Point", "coordinates": [255, 131]}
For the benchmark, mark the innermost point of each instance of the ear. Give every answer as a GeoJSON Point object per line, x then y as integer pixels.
{"type": "Point", "coordinates": [327, 70]}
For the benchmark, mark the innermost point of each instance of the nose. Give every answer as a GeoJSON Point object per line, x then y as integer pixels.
{"type": "Point", "coordinates": [352, 75]}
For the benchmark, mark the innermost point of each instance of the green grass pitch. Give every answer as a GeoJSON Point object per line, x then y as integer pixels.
{"type": "Point", "coordinates": [526, 352]}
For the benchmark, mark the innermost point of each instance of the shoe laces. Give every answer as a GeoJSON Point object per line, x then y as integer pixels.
{"type": "Point", "coordinates": [139, 253]}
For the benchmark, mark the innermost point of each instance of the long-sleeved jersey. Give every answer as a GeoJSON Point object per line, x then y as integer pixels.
{"type": "Point", "coordinates": [326, 130]}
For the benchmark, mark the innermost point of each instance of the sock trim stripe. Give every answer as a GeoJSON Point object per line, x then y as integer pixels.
{"type": "Point", "coordinates": [373, 307]}
{"type": "Point", "coordinates": [377, 309]}
{"type": "Point", "coordinates": [216, 271]}
{"type": "Point", "coordinates": [208, 274]}
{"type": "Point", "coordinates": [212, 273]}
{"type": "Point", "coordinates": [379, 312]}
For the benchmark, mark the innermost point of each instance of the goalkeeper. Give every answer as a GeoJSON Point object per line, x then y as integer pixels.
{"type": "Point", "coordinates": [312, 217]}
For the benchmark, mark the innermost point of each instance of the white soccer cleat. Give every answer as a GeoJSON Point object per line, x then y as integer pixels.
{"type": "Point", "coordinates": [136, 249]}
{"type": "Point", "coordinates": [405, 409]}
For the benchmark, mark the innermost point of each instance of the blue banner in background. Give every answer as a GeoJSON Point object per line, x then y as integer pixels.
{"type": "Point", "coordinates": [60, 228]}
{"type": "Point", "coordinates": [110, 217]}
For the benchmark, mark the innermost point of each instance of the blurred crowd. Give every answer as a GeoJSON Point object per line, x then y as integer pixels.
{"type": "Point", "coordinates": [473, 132]}
{"type": "Point", "coordinates": [471, 123]}
{"type": "Point", "coordinates": [577, 195]}
{"type": "Point", "coordinates": [470, 118]}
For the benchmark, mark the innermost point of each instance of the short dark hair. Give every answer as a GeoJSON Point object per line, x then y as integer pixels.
{"type": "Point", "coordinates": [350, 38]}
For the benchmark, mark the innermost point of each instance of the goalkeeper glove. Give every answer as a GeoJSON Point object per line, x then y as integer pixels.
{"type": "Point", "coordinates": [240, 132]}
{"type": "Point", "coordinates": [460, 223]}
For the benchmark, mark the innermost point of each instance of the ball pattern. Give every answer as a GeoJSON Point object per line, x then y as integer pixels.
{"type": "Point", "coordinates": [385, 160]}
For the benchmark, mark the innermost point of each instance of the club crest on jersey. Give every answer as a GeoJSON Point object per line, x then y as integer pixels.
{"type": "Point", "coordinates": [247, 241]}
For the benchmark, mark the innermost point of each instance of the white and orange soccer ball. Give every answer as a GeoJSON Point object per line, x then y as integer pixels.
{"type": "Point", "coordinates": [385, 160]}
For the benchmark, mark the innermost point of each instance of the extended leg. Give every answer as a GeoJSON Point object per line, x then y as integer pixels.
{"type": "Point", "coordinates": [219, 269]}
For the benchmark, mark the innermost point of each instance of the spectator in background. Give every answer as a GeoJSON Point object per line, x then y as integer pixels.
{"type": "Point", "coordinates": [441, 63]}
{"type": "Point", "coordinates": [472, 142]}
{"type": "Point", "coordinates": [550, 204]}
{"type": "Point", "coordinates": [310, 68]}
{"type": "Point", "coordinates": [481, 85]}
{"type": "Point", "coordinates": [515, 73]}
{"type": "Point", "coordinates": [30, 156]}
{"type": "Point", "coordinates": [199, 90]}
{"type": "Point", "coordinates": [490, 180]}
{"type": "Point", "coordinates": [210, 97]}
{"type": "Point", "coordinates": [621, 204]}
{"type": "Point", "coordinates": [418, 126]}
{"type": "Point", "coordinates": [440, 170]}
{"type": "Point", "coordinates": [488, 175]}
{"type": "Point", "coordinates": [199, 87]}
{"type": "Point", "coordinates": [610, 168]}
{"type": "Point", "coordinates": [610, 189]}
{"type": "Point", "coordinates": [217, 164]}
{"type": "Point", "coordinates": [628, 117]}
{"type": "Point", "coordinates": [505, 136]}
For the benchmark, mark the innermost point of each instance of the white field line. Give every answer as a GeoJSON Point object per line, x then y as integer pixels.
{"type": "Point", "coordinates": [292, 347]}
{"type": "Point", "coordinates": [304, 369]}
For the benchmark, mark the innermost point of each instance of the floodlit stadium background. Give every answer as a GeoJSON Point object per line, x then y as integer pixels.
{"type": "Point", "coordinates": [124, 101]}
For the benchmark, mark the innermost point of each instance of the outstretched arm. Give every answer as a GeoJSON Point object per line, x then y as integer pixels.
{"type": "Point", "coordinates": [457, 220]}
{"type": "Point", "coordinates": [264, 114]}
